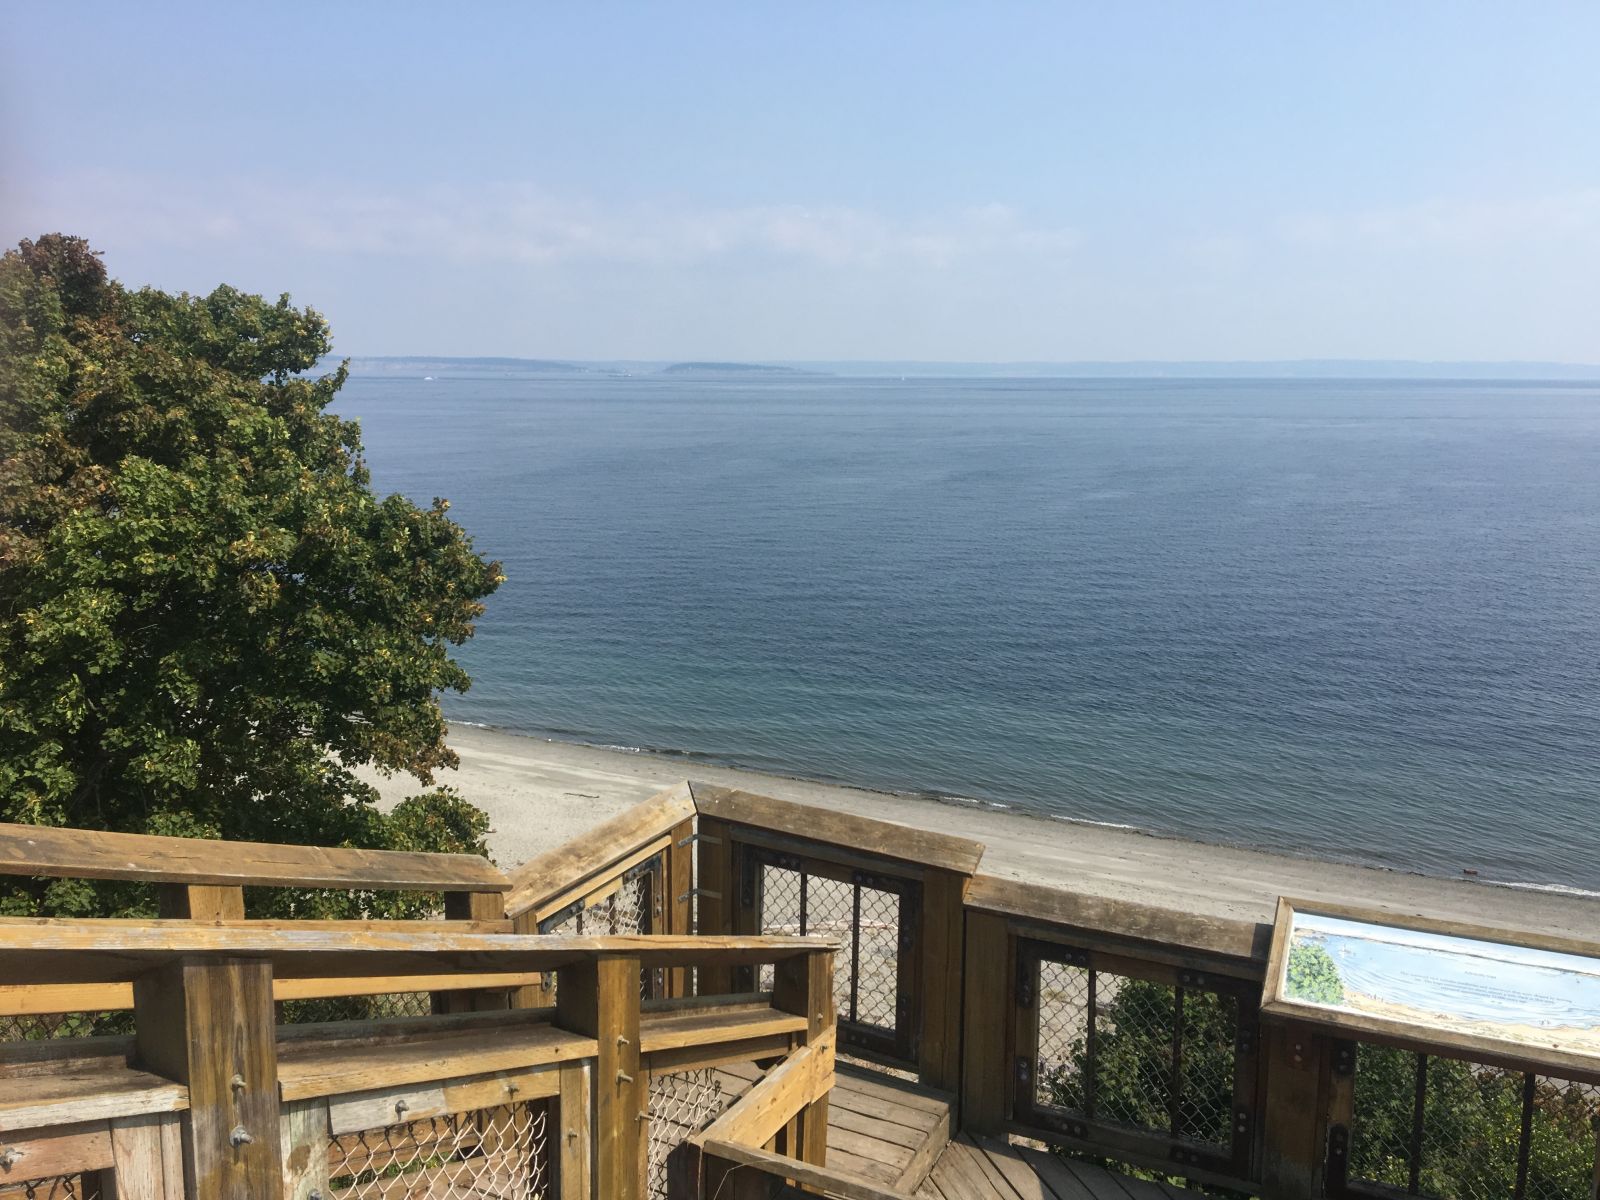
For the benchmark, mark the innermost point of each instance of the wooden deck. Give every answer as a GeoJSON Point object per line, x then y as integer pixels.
{"type": "Point", "coordinates": [882, 1129]}
{"type": "Point", "coordinates": [991, 1169]}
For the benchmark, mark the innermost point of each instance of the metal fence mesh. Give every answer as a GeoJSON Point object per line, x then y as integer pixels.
{"type": "Point", "coordinates": [1465, 1131]}
{"type": "Point", "coordinates": [681, 1103]}
{"type": "Point", "coordinates": [628, 909]}
{"type": "Point", "coordinates": [56, 1187]}
{"type": "Point", "coordinates": [41, 1027]}
{"type": "Point", "coordinates": [494, 1153]}
{"type": "Point", "coordinates": [861, 920]}
{"type": "Point", "coordinates": [1134, 1052]}
{"type": "Point", "coordinates": [355, 1008]}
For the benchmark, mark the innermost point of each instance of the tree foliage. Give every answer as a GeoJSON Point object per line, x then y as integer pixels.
{"type": "Point", "coordinates": [208, 619]}
{"type": "Point", "coordinates": [1312, 975]}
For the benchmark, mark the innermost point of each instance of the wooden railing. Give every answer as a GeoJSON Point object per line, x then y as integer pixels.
{"type": "Point", "coordinates": [718, 927]}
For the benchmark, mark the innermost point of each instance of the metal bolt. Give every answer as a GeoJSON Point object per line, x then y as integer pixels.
{"type": "Point", "coordinates": [314, 1194]}
{"type": "Point", "coordinates": [400, 1106]}
{"type": "Point", "coordinates": [240, 1137]}
{"type": "Point", "coordinates": [622, 1077]}
{"type": "Point", "coordinates": [237, 1083]}
{"type": "Point", "coordinates": [9, 1157]}
{"type": "Point", "coordinates": [622, 1041]}
{"type": "Point", "coordinates": [512, 1089]}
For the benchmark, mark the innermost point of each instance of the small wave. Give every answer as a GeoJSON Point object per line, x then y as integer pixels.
{"type": "Point", "coordinates": [1559, 889]}
{"type": "Point", "coordinates": [1096, 824]}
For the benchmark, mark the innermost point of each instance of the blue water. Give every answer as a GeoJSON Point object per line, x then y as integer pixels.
{"type": "Point", "coordinates": [1351, 618]}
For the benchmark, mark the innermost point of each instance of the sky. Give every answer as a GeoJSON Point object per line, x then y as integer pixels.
{"type": "Point", "coordinates": [976, 182]}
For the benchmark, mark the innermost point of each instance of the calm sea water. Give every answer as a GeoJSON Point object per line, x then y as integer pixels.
{"type": "Point", "coordinates": [1351, 618]}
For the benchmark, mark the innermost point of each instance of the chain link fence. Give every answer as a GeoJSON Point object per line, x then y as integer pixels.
{"type": "Point", "coordinates": [681, 1103]}
{"type": "Point", "coordinates": [42, 1027]}
{"type": "Point", "coordinates": [1134, 1052]}
{"type": "Point", "coordinates": [865, 923]}
{"type": "Point", "coordinates": [1443, 1127]}
{"type": "Point", "coordinates": [631, 907]}
{"type": "Point", "coordinates": [499, 1153]}
{"type": "Point", "coordinates": [56, 1187]}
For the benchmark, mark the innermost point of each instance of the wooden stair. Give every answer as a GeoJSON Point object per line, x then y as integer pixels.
{"type": "Point", "coordinates": [884, 1130]}
{"type": "Point", "coordinates": [993, 1169]}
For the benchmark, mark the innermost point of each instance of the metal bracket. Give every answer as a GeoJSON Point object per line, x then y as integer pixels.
{"type": "Point", "coordinates": [1025, 983]}
{"type": "Point", "coordinates": [1024, 1070]}
{"type": "Point", "coordinates": [1344, 1058]}
{"type": "Point", "coordinates": [707, 893]}
{"type": "Point", "coordinates": [695, 839]}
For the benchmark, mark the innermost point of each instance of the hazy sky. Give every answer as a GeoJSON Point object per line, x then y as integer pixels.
{"type": "Point", "coordinates": [986, 181]}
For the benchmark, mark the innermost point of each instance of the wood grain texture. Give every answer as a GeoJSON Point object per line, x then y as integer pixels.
{"type": "Point", "coordinates": [307, 1070]}
{"type": "Point", "coordinates": [943, 962]}
{"type": "Point", "coordinates": [986, 1062]}
{"type": "Point", "coordinates": [63, 1150]}
{"type": "Point", "coordinates": [45, 851]}
{"type": "Point", "coordinates": [574, 1157]}
{"type": "Point", "coordinates": [208, 1024]}
{"type": "Point", "coordinates": [572, 866]}
{"type": "Point", "coordinates": [599, 998]}
{"type": "Point", "coordinates": [675, 1030]}
{"type": "Point", "coordinates": [200, 902]}
{"type": "Point", "coordinates": [304, 1132]}
{"type": "Point", "coordinates": [778, 1167]}
{"type": "Point", "coordinates": [902, 843]}
{"type": "Point", "coordinates": [82, 1093]}
{"type": "Point", "coordinates": [778, 1097]}
{"type": "Point", "coordinates": [1243, 940]}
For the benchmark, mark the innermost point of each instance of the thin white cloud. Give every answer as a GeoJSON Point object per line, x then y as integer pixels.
{"type": "Point", "coordinates": [1571, 217]}
{"type": "Point", "coordinates": [520, 222]}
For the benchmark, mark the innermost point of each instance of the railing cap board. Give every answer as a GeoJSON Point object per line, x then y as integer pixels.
{"type": "Point", "coordinates": [903, 843]}
{"type": "Point", "coordinates": [566, 867]}
{"type": "Point", "coordinates": [44, 950]}
{"type": "Point", "coordinates": [53, 852]}
{"type": "Point", "coordinates": [1245, 940]}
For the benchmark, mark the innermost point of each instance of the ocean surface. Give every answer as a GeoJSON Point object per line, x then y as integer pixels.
{"type": "Point", "coordinates": [1355, 619]}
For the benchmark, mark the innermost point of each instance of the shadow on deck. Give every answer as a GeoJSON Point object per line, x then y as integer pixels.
{"type": "Point", "coordinates": [992, 1169]}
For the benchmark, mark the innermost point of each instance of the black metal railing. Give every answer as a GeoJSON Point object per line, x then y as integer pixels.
{"type": "Point", "coordinates": [1134, 1060]}
{"type": "Point", "coordinates": [874, 919]}
{"type": "Point", "coordinates": [1428, 1125]}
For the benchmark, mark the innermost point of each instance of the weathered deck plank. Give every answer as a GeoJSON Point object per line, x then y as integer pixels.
{"type": "Point", "coordinates": [992, 1169]}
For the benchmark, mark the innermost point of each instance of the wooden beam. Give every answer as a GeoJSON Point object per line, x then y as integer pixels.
{"type": "Point", "coordinates": [678, 895]}
{"type": "Point", "coordinates": [569, 867]}
{"type": "Point", "coordinates": [599, 998]}
{"type": "Point", "coordinates": [200, 902]}
{"type": "Point", "coordinates": [804, 986]}
{"type": "Point", "coordinates": [986, 1013]}
{"type": "Point", "coordinates": [717, 887]}
{"type": "Point", "coordinates": [943, 960]}
{"type": "Point", "coordinates": [305, 1133]}
{"type": "Point", "coordinates": [778, 1168]}
{"type": "Point", "coordinates": [1246, 941]}
{"type": "Point", "coordinates": [208, 1024]}
{"type": "Point", "coordinates": [1294, 1116]}
{"type": "Point", "coordinates": [826, 826]}
{"type": "Point", "coordinates": [50, 852]}
{"type": "Point", "coordinates": [574, 1157]}
{"type": "Point", "coordinates": [782, 1094]}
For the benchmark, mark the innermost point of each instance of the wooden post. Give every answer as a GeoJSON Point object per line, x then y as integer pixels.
{"type": "Point", "coordinates": [303, 1128]}
{"type": "Point", "coordinates": [199, 902]}
{"type": "Point", "coordinates": [718, 897]}
{"type": "Point", "coordinates": [944, 895]}
{"type": "Point", "coordinates": [677, 896]}
{"type": "Point", "coordinates": [804, 986]}
{"type": "Point", "coordinates": [574, 1157]}
{"type": "Point", "coordinates": [987, 1005]}
{"type": "Point", "coordinates": [1293, 1118]}
{"type": "Point", "coordinates": [600, 999]}
{"type": "Point", "coordinates": [147, 1159]}
{"type": "Point", "coordinates": [208, 1024]}
{"type": "Point", "coordinates": [473, 906]}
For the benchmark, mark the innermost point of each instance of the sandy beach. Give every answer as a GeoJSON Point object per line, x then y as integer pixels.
{"type": "Point", "coordinates": [541, 793]}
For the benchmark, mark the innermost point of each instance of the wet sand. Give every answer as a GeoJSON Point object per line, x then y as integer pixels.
{"type": "Point", "coordinates": [540, 794]}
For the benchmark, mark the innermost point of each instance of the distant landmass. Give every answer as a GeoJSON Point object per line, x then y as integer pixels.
{"type": "Point", "coordinates": [444, 366]}
{"type": "Point", "coordinates": [733, 368]}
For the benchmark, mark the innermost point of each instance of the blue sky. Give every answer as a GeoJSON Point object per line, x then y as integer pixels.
{"type": "Point", "coordinates": [815, 181]}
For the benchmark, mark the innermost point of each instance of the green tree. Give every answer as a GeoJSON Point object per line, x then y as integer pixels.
{"type": "Point", "coordinates": [208, 620]}
{"type": "Point", "coordinates": [1312, 975]}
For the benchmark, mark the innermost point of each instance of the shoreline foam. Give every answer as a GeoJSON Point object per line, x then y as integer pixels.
{"type": "Point", "coordinates": [541, 792]}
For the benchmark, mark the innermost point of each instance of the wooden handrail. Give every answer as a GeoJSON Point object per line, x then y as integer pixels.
{"type": "Point", "coordinates": [901, 843]}
{"type": "Point", "coordinates": [780, 1095]}
{"type": "Point", "coordinates": [780, 1167]}
{"type": "Point", "coordinates": [543, 882]}
{"type": "Point", "coordinates": [56, 853]}
{"type": "Point", "coordinates": [1129, 920]}
{"type": "Point", "coordinates": [44, 950]}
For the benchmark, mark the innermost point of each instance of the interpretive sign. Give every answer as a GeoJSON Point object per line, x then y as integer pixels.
{"type": "Point", "coordinates": [1430, 982]}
